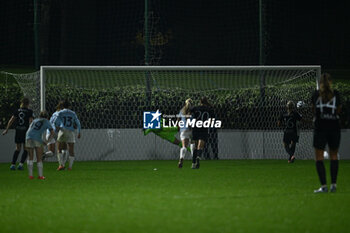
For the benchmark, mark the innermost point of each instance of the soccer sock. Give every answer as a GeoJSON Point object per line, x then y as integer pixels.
{"type": "Point", "coordinates": [321, 171]}
{"type": "Point", "coordinates": [40, 168]}
{"type": "Point", "coordinates": [24, 156]}
{"type": "Point", "coordinates": [334, 170]}
{"type": "Point", "coordinates": [292, 149]}
{"type": "Point", "coordinates": [183, 152]}
{"type": "Point", "coordinates": [195, 151]}
{"type": "Point", "coordinates": [71, 161]}
{"type": "Point", "coordinates": [65, 156]}
{"type": "Point", "coordinates": [60, 158]}
{"type": "Point", "coordinates": [15, 156]}
{"type": "Point", "coordinates": [286, 147]}
{"type": "Point", "coordinates": [30, 167]}
{"type": "Point", "coordinates": [192, 146]}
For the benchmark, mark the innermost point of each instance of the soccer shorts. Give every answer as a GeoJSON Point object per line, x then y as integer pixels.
{"type": "Point", "coordinates": [200, 135]}
{"type": "Point", "coordinates": [290, 136]}
{"type": "Point", "coordinates": [324, 137]}
{"type": "Point", "coordinates": [65, 135]}
{"type": "Point", "coordinates": [20, 136]}
{"type": "Point", "coordinates": [52, 140]}
{"type": "Point", "coordinates": [30, 143]}
{"type": "Point", "coordinates": [186, 134]}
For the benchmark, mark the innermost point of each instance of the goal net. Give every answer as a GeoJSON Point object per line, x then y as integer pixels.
{"type": "Point", "coordinates": [110, 103]}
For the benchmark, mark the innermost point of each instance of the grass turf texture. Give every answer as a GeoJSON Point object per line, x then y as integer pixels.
{"type": "Point", "coordinates": [130, 196]}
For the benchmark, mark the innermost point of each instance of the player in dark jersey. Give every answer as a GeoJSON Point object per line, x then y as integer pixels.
{"type": "Point", "coordinates": [22, 118]}
{"type": "Point", "coordinates": [326, 104]}
{"type": "Point", "coordinates": [289, 121]}
{"type": "Point", "coordinates": [200, 134]}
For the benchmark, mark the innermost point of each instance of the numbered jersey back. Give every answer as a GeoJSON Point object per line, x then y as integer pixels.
{"type": "Point", "coordinates": [326, 116]}
{"type": "Point", "coordinates": [202, 113]}
{"type": "Point", "coordinates": [68, 119]}
{"type": "Point", "coordinates": [22, 118]}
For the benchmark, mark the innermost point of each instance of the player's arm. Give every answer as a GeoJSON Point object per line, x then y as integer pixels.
{"type": "Point", "coordinates": [57, 122]}
{"type": "Point", "coordinates": [10, 122]}
{"type": "Point", "coordinates": [77, 122]}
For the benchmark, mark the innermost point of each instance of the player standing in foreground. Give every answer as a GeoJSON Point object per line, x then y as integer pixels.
{"type": "Point", "coordinates": [22, 117]}
{"type": "Point", "coordinates": [185, 132]}
{"type": "Point", "coordinates": [66, 122]}
{"type": "Point", "coordinates": [326, 107]}
{"type": "Point", "coordinates": [290, 136]}
{"type": "Point", "coordinates": [200, 135]}
{"type": "Point", "coordinates": [34, 141]}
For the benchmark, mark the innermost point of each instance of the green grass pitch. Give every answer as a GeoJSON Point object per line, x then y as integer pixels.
{"type": "Point", "coordinates": [131, 196]}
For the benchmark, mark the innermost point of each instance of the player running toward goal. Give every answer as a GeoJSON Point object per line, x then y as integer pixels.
{"type": "Point", "coordinates": [66, 121]}
{"type": "Point", "coordinates": [34, 142]}
{"type": "Point", "coordinates": [290, 121]}
{"type": "Point", "coordinates": [326, 107]}
{"type": "Point", "coordinates": [185, 132]}
{"type": "Point", "coordinates": [200, 135]}
{"type": "Point", "coordinates": [22, 117]}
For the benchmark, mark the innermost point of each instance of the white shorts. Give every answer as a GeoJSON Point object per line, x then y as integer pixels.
{"type": "Point", "coordinates": [65, 135]}
{"type": "Point", "coordinates": [52, 140]}
{"type": "Point", "coordinates": [186, 134]}
{"type": "Point", "coordinates": [32, 143]}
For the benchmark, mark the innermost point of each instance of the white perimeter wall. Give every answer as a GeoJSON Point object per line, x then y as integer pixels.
{"type": "Point", "coordinates": [131, 144]}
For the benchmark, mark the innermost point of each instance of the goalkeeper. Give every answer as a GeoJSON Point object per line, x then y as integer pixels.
{"type": "Point", "coordinates": [168, 133]}
{"type": "Point", "coordinates": [289, 120]}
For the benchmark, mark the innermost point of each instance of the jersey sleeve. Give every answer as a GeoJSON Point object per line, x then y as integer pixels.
{"type": "Point", "coordinates": [77, 122]}
{"type": "Point", "coordinates": [15, 113]}
{"type": "Point", "coordinates": [338, 97]}
{"type": "Point", "coordinates": [31, 113]}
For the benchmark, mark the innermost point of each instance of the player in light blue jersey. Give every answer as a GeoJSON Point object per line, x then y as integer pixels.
{"type": "Point", "coordinates": [34, 140]}
{"type": "Point", "coordinates": [52, 144]}
{"type": "Point", "coordinates": [66, 122]}
{"type": "Point", "coordinates": [185, 132]}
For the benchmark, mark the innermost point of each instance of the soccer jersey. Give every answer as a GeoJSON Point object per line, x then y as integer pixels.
{"type": "Point", "coordinates": [326, 116]}
{"type": "Point", "coordinates": [37, 128]}
{"type": "Point", "coordinates": [22, 116]}
{"type": "Point", "coordinates": [290, 121]}
{"type": "Point", "coordinates": [52, 121]}
{"type": "Point", "coordinates": [67, 119]}
{"type": "Point", "coordinates": [183, 118]}
{"type": "Point", "coordinates": [202, 113]}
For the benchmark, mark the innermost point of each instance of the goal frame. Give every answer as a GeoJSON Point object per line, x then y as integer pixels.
{"type": "Point", "coordinates": [170, 68]}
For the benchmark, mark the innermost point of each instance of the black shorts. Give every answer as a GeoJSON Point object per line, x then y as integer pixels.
{"type": "Point", "coordinates": [20, 136]}
{"type": "Point", "coordinates": [200, 135]}
{"type": "Point", "coordinates": [288, 137]}
{"type": "Point", "coordinates": [324, 137]}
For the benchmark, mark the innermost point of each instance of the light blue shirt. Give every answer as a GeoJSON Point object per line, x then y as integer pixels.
{"type": "Point", "coordinates": [37, 128]}
{"type": "Point", "coordinates": [67, 119]}
{"type": "Point", "coordinates": [52, 121]}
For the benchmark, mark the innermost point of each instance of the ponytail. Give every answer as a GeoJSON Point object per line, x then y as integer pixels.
{"type": "Point", "coordinates": [186, 109]}
{"type": "Point", "coordinates": [326, 92]}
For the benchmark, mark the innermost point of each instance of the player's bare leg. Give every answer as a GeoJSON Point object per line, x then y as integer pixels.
{"type": "Point", "coordinates": [71, 155]}
{"type": "Point", "coordinates": [60, 156]}
{"type": "Point", "coordinates": [30, 162]}
{"type": "Point", "coordinates": [183, 151]}
{"type": "Point", "coordinates": [39, 153]}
